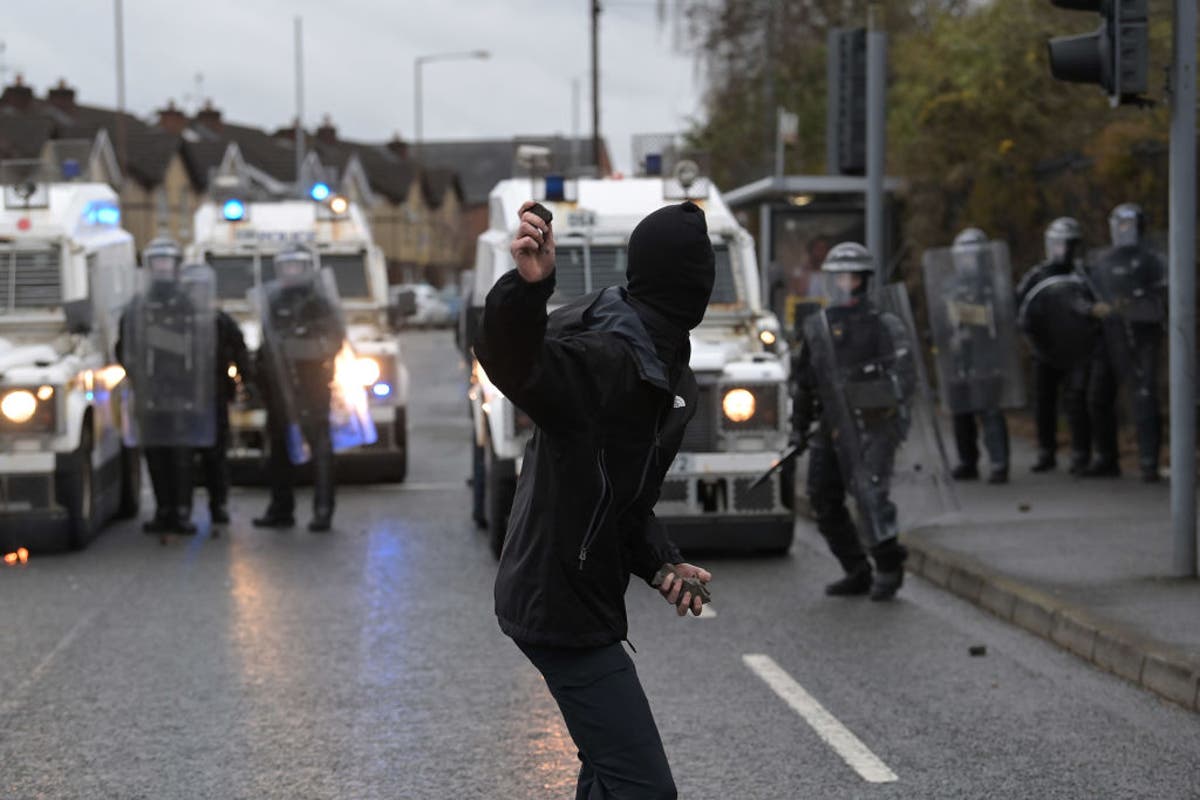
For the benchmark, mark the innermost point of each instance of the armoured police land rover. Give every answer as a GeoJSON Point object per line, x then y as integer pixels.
{"type": "Point", "coordinates": [737, 355]}
{"type": "Point", "coordinates": [67, 268]}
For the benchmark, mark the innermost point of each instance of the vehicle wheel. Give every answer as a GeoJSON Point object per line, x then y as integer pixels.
{"type": "Point", "coordinates": [78, 487]}
{"type": "Point", "coordinates": [397, 469]}
{"type": "Point", "coordinates": [131, 482]}
{"type": "Point", "coordinates": [500, 486]}
{"type": "Point", "coordinates": [478, 476]}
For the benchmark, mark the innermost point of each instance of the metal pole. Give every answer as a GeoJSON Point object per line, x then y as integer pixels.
{"type": "Point", "coordinates": [764, 254]}
{"type": "Point", "coordinates": [779, 142]}
{"type": "Point", "coordinates": [876, 144]}
{"type": "Point", "coordinates": [299, 102]}
{"type": "Point", "coordinates": [119, 22]}
{"type": "Point", "coordinates": [769, 79]}
{"type": "Point", "coordinates": [596, 84]}
{"type": "Point", "coordinates": [576, 93]}
{"type": "Point", "coordinates": [1182, 290]}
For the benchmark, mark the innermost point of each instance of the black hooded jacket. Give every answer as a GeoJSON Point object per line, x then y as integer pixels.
{"type": "Point", "coordinates": [606, 382]}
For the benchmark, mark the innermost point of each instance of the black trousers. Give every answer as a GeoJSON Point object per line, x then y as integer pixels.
{"type": "Point", "coordinates": [1130, 357]}
{"type": "Point", "coordinates": [995, 438]}
{"type": "Point", "coordinates": [1049, 382]}
{"type": "Point", "coordinates": [170, 471]}
{"type": "Point", "coordinates": [827, 497]}
{"type": "Point", "coordinates": [602, 702]}
{"type": "Point", "coordinates": [283, 498]}
{"type": "Point", "coordinates": [214, 461]}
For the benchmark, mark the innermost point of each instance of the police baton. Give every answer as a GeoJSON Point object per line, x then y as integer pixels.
{"type": "Point", "coordinates": [787, 457]}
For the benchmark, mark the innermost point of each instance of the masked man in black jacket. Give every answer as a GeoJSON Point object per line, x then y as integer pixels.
{"type": "Point", "coordinates": [607, 383]}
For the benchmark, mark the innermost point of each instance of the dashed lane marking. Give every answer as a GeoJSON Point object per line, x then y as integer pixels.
{"type": "Point", "coordinates": [827, 726]}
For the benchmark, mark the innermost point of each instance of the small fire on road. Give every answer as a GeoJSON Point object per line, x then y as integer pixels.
{"type": "Point", "coordinates": [20, 556]}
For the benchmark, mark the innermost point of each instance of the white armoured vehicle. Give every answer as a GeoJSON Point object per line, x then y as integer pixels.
{"type": "Point", "coordinates": [239, 239]}
{"type": "Point", "coordinates": [67, 269]}
{"type": "Point", "coordinates": [741, 424]}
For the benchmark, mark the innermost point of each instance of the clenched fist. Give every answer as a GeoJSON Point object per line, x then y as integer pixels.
{"type": "Point", "coordinates": [533, 246]}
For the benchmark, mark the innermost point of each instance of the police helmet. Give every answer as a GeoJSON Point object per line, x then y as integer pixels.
{"type": "Point", "coordinates": [162, 257]}
{"type": "Point", "coordinates": [294, 263]}
{"type": "Point", "coordinates": [970, 238]}
{"type": "Point", "coordinates": [1063, 239]}
{"type": "Point", "coordinates": [1126, 223]}
{"type": "Point", "coordinates": [848, 257]}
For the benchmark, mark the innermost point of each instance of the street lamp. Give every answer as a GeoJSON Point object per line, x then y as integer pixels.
{"type": "Point", "coordinates": [420, 61]}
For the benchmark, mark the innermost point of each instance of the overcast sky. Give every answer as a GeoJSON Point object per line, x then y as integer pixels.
{"type": "Point", "coordinates": [359, 63]}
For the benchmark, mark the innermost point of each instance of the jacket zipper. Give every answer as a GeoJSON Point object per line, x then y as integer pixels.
{"type": "Point", "coordinates": [598, 513]}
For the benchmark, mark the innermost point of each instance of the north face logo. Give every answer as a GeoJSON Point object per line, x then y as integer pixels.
{"type": "Point", "coordinates": [679, 402]}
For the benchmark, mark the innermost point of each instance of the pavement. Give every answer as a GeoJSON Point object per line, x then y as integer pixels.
{"type": "Point", "coordinates": [1085, 563]}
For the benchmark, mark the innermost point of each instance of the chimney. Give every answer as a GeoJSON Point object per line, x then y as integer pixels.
{"type": "Point", "coordinates": [398, 146]}
{"type": "Point", "coordinates": [210, 117]}
{"type": "Point", "coordinates": [327, 133]}
{"type": "Point", "coordinates": [17, 95]}
{"type": "Point", "coordinates": [171, 119]}
{"type": "Point", "coordinates": [62, 96]}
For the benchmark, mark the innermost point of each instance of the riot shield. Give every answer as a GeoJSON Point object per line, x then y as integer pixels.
{"type": "Point", "coordinates": [311, 363]}
{"type": "Point", "coordinates": [169, 339]}
{"type": "Point", "coordinates": [876, 403]}
{"type": "Point", "coordinates": [974, 329]}
{"type": "Point", "coordinates": [1056, 318]}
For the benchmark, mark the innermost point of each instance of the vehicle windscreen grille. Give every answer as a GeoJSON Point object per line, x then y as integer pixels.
{"type": "Point", "coordinates": [701, 433]}
{"type": "Point", "coordinates": [30, 279]}
{"type": "Point", "coordinates": [235, 275]}
{"type": "Point", "coordinates": [725, 288]}
{"type": "Point", "coordinates": [350, 271]}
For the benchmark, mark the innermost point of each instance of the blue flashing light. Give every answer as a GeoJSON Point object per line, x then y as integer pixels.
{"type": "Point", "coordinates": [102, 212]}
{"type": "Point", "coordinates": [71, 169]}
{"type": "Point", "coordinates": [381, 389]}
{"type": "Point", "coordinates": [234, 210]}
{"type": "Point", "coordinates": [319, 192]}
{"type": "Point", "coordinates": [654, 164]}
{"type": "Point", "coordinates": [90, 396]}
{"type": "Point", "coordinates": [556, 187]}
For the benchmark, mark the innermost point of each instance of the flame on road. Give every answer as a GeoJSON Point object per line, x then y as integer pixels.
{"type": "Point", "coordinates": [19, 556]}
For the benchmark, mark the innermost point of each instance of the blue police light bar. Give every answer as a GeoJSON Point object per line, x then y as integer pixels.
{"type": "Point", "coordinates": [234, 210]}
{"type": "Point", "coordinates": [102, 212]}
{"type": "Point", "coordinates": [319, 192]}
{"type": "Point", "coordinates": [654, 163]}
{"type": "Point", "coordinates": [556, 187]}
{"type": "Point", "coordinates": [381, 390]}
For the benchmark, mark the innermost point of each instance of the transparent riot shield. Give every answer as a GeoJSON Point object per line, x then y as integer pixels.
{"type": "Point", "coordinates": [973, 322]}
{"type": "Point", "coordinates": [311, 363]}
{"type": "Point", "coordinates": [1057, 322]}
{"type": "Point", "coordinates": [877, 406]}
{"type": "Point", "coordinates": [169, 339]}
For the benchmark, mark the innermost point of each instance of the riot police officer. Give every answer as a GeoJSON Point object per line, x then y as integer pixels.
{"type": "Point", "coordinates": [302, 335]}
{"type": "Point", "coordinates": [969, 291]}
{"type": "Point", "coordinates": [854, 375]}
{"type": "Point", "coordinates": [1064, 253]}
{"type": "Point", "coordinates": [166, 346]}
{"type": "Point", "coordinates": [1130, 280]}
{"type": "Point", "coordinates": [232, 364]}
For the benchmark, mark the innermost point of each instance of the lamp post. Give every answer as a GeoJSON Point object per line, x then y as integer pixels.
{"type": "Point", "coordinates": [419, 62]}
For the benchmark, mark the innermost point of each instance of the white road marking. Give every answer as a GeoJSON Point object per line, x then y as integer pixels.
{"type": "Point", "coordinates": [707, 611]}
{"type": "Point", "coordinates": [827, 726]}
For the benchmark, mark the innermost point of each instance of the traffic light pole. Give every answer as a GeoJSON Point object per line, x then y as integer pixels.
{"type": "Point", "coordinates": [1182, 288]}
{"type": "Point", "coordinates": [876, 144]}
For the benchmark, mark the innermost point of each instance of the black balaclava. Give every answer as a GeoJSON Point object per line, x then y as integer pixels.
{"type": "Point", "coordinates": [672, 266]}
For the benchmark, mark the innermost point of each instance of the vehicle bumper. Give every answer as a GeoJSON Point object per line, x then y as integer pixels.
{"type": "Point", "coordinates": [30, 515]}
{"type": "Point", "coordinates": [730, 532]}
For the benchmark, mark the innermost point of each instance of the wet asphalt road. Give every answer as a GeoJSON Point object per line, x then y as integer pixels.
{"type": "Point", "coordinates": [367, 664]}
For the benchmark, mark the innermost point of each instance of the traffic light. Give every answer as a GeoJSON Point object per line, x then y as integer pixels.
{"type": "Point", "coordinates": [1114, 56]}
{"type": "Point", "coordinates": [846, 108]}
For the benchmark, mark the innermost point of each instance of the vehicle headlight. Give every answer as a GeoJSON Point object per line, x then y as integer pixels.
{"type": "Point", "coordinates": [19, 406]}
{"type": "Point", "coordinates": [367, 370]}
{"type": "Point", "coordinates": [739, 405]}
{"type": "Point", "coordinates": [768, 338]}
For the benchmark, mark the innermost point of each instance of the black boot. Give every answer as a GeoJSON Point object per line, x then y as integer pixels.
{"type": "Point", "coordinates": [889, 569]}
{"type": "Point", "coordinates": [999, 475]}
{"type": "Point", "coordinates": [322, 520]}
{"type": "Point", "coordinates": [219, 515]}
{"type": "Point", "coordinates": [1079, 463]}
{"type": "Point", "coordinates": [965, 472]}
{"type": "Point", "coordinates": [1150, 473]}
{"type": "Point", "coordinates": [160, 524]}
{"type": "Point", "coordinates": [1045, 462]}
{"type": "Point", "coordinates": [857, 581]}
